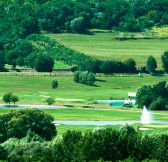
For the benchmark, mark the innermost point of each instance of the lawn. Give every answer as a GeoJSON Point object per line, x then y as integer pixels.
{"type": "Point", "coordinates": [57, 65]}
{"type": "Point", "coordinates": [104, 46]}
{"type": "Point", "coordinates": [114, 114]}
{"type": "Point", "coordinates": [35, 89]}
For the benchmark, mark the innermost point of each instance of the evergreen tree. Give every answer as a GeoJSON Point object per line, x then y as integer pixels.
{"type": "Point", "coordinates": [165, 61]}
{"type": "Point", "coordinates": [151, 64]}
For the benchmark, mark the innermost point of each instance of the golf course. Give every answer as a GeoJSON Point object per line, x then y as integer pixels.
{"type": "Point", "coordinates": [104, 46]}
{"type": "Point", "coordinates": [33, 88]}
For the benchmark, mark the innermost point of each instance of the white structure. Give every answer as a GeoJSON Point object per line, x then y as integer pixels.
{"type": "Point", "coordinates": [132, 94]}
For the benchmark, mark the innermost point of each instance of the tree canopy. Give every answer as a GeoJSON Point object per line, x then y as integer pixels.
{"type": "Point", "coordinates": [154, 97]}
{"type": "Point", "coordinates": [18, 122]}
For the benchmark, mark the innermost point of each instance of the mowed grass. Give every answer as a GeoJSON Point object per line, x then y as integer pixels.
{"type": "Point", "coordinates": [57, 65]}
{"type": "Point", "coordinates": [116, 114]}
{"type": "Point", "coordinates": [35, 89]}
{"type": "Point", "coordinates": [104, 46]}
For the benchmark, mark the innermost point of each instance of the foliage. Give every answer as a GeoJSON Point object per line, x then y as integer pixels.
{"type": "Point", "coordinates": [14, 98]}
{"type": "Point", "coordinates": [54, 84]}
{"type": "Point", "coordinates": [9, 97]}
{"type": "Point", "coordinates": [160, 32]}
{"type": "Point", "coordinates": [165, 61]}
{"type": "Point", "coordinates": [151, 64]}
{"type": "Point", "coordinates": [126, 144]}
{"type": "Point", "coordinates": [50, 101]}
{"type": "Point", "coordinates": [20, 19]}
{"type": "Point", "coordinates": [21, 121]}
{"type": "Point", "coordinates": [158, 104]}
{"type": "Point", "coordinates": [84, 77]}
{"type": "Point", "coordinates": [2, 60]}
{"type": "Point", "coordinates": [44, 63]}
{"type": "Point", "coordinates": [153, 97]}
{"type": "Point", "coordinates": [130, 65]}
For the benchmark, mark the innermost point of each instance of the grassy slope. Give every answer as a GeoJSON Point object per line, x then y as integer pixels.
{"type": "Point", "coordinates": [35, 89]}
{"type": "Point", "coordinates": [105, 46]}
{"type": "Point", "coordinates": [57, 65]}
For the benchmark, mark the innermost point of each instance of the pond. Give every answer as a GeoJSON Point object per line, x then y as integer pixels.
{"type": "Point", "coordinates": [104, 123]}
{"type": "Point", "coordinates": [30, 106]}
{"type": "Point", "coordinates": [116, 102]}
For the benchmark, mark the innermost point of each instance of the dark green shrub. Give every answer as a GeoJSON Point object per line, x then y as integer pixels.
{"type": "Point", "coordinates": [50, 101]}
{"type": "Point", "coordinates": [54, 84]}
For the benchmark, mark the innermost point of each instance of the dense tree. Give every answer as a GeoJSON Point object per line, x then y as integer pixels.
{"type": "Point", "coordinates": [54, 84]}
{"type": "Point", "coordinates": [2, 61]}
{"type": "Point", "coordinates": [151, 64]}
{"type": "Point", "coordinates": [65, 149]}
{"type": "Point", "coordinates": [103, 144]}
{"type": "Point", "coordinates": [165, 61]}
{"type": "Point", "coordinates": [154, 97]}
{"type": "Point", "coordinates": [158, 104]}
{"type": "Point", "coordinates": [130, 65]}
{"type": "Point", "coordinates": [21, 121]}
{"type": "Point", "coordinates": [144, 91]}
{"type": "Point", "coordinates": [84, 77]}
{"type": "Point", "coordinates": [9, 97]}
{"type": "Point", "coordinates": [44, 63]}
{"type": "Point", "coordinates": [14, 98]}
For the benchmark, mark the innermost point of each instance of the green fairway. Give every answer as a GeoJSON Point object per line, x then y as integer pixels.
{"type": "Point", "coordinates": [35, 89]}
{"type": "Point", "coordinates": [104, 46]}
{"type": "Point", "coordinates": [117, 114]}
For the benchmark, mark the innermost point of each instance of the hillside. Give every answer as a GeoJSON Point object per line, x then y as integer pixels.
{"type": "Point", "coordinates": [104, 46]}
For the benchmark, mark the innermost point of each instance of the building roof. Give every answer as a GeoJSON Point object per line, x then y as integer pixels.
{"type": "Point", "coordinates": [132, 94]}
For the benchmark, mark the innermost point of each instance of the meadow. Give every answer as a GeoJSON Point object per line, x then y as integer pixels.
{"type": "Point", "coordinates": [34, 88]}
{"type": "Point", "coordinates": [57, 65]}
{"type": "Point", "coordinates": [104, 46]}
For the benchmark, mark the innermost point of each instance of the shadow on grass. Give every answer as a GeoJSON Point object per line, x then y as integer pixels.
{"type": "Point", "coordinates": [100, 80]}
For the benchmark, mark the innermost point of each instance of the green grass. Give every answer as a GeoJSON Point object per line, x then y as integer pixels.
{"type": "Point", "coordinates": [60, 65]}
{"type": "Point", "coordinates": [35, 89]}
{"type": "Point", "coordinates": [116, 114]}
{"type": "Point", "coordinates": [104, 46]}
{"type": "Point", "coordinates": [57, 65]}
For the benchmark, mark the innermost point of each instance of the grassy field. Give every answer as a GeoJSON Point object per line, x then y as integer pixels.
{"type": "Point", "coordinates": [115, 114]}
{"type": "Point", "coordinates": [57, 65]}
{"type": "Point", "coordinates": [35, 89]}
{"type": "Point", "coordinates": [104, 46]}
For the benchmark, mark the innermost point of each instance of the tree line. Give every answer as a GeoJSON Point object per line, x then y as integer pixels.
{"type": "Point", "coordinates": [25, 17]}
{"type": "Point", "coordinates": [31, 136]}
{"type": "Point", "coordinates": [21, 19]}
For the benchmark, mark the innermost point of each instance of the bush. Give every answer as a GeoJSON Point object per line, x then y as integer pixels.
{"type": "Point", "coordinates": [54, 84]}
{"type": "Point", "coordinates": [127, 105]}
{"type": "Point", "coordinates": [50, 101]}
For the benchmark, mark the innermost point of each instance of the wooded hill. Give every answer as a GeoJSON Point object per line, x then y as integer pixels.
{"type": "Point", "coordinates": [21, 18]}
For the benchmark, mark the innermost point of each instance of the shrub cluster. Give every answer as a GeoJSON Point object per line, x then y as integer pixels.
{"type": "Point", "coordinates": [84, 77]}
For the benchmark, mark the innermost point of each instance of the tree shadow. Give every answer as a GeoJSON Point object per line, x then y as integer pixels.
{"type": "Point", "coordinates": [100, 80]}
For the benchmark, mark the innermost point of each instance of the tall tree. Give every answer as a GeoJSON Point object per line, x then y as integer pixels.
{"type": "Point", "coordinates": [21, 121]}
{"type": "Point", "coordinates": [151, 64]}
{"type": "Point", "coordinates": [165, 61]}
{"type": "Point", "coordinates": [44, 63]}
